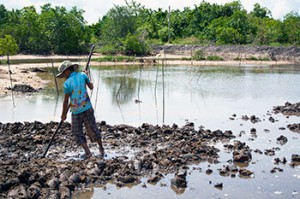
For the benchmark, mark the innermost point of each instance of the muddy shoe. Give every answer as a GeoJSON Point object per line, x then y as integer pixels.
{"type": "Point", "coordinates": [102, 154]}
{"type": "Point", "coordinates": [85, 156]}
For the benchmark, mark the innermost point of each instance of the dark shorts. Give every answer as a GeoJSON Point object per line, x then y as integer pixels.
{"type": "Point", "coordinates": [88, 119]}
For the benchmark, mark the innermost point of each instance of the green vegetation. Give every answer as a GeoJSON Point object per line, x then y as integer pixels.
{"type": "Point", "coordinates": [252, 58]}
{"type": "Point", "coordinates": [198, 55]}
{"type": "Point", "coordinates": [114, 58]}
{"type": "Point", "coordinates": [8, 45]}
{"type": "Point", "coordinates": [132, 28]}
{"type": "Point", "coordinates": [214, 58]}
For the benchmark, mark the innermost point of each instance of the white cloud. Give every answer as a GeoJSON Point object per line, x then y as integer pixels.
{"type": "Point", "coordinates": [95, 9]}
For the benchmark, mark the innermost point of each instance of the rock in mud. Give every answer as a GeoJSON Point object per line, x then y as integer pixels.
{"type": "Point", "coordinates": [23, 88]}
{"type": "Point", "coordinates": [294, 127]}
{"type": "Point", "coordinates": [18, 192]}
{"type": "Point", "coordinates": [241, 153]}
{"type": "Point", "coordinates": [295, 160]}
{"type": "Point", "coordinates": [254, 119]}
{"type": "Point", "coordinates": [269, 152]}
{"type": "Point", "coordinates": [219, 186]}
{"type": "Point", "coordinates": [288, 109]}
{"type": "Point", "coordinates": [245, 173]}
{"type": "Point", "coordinates": [53, 183]}
{"type": "Point", "coordinates": [155, 179]}
{"type": "Point", "coordinates": [179, 181]}
{"type": "Point", "coordinates": [23, 176]}
{"type": "Point", "coordinates": [278, 160]}
{"type": "Point", "coordinates": [282, 140]}
{"type": "Point", "coordinates": [275, 169]}
{"type": "Point", "coordinates": [38, 70]}
{"type": "Point", "coordinates": [65, 192]}
{"type": "Point", "coordinates": [34, 191]}
{"type": "Point", "coordinates": [242, 156]}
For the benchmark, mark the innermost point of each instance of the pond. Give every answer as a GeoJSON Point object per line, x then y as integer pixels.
{"type": "Point", "coordinates": [207, 96]}
{"type": "Point", "coordinates": [214, 97]}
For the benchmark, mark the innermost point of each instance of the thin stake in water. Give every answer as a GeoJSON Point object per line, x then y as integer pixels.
{"type": "Point", "coordinates": [55, 80]}
{"type": "Point", "coordinates": [9, 72]}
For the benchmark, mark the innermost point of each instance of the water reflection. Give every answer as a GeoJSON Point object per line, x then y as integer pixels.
{"type": "Point", "coordinates": [123, 89]}
{"type": "Point", "coordinates": [204, 95]}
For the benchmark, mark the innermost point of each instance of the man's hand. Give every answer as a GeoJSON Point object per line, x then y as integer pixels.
{"type": "Point", "coordinates": [65, 107]}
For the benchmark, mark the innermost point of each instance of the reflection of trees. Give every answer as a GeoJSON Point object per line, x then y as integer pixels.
{"type": "Point", "coordinates": [123, 88]}
{"type": "Point", "coordinates": [125, 83]}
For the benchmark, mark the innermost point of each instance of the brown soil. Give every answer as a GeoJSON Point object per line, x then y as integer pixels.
{"type": "Point", "coordinates": [20, 74]}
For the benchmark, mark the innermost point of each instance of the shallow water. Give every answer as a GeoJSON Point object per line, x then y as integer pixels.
{"type": "Point", "coordinates": [207, 96]}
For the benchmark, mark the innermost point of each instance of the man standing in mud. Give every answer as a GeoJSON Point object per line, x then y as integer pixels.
{"type": "Point", "coordinates": [80, 105]}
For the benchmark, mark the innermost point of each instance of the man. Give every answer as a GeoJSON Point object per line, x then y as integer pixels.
{"type": "Point", "coordinates": [80, 105]}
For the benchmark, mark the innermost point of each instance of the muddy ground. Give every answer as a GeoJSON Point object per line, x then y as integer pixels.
{"type": "Point", "coordinates": [148, 151]}
{"type": "Point", "coordinates": [23, 78]}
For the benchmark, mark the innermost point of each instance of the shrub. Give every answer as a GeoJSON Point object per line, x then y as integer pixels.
{"type": "Point", "coordinates": [108, 50]}
{"type": "Point", "coordinates": [252, 58]}
{"type": "Point", "coordinates": [188, 40]}
{"type": "Point", "coordinates": [134, 46]}
{"type": "Point", "coordinates": [198, 55]}
{"type": "Point", "coordinates": [114, 58]}
{"type": "Point", "coordinates": [214, 58]}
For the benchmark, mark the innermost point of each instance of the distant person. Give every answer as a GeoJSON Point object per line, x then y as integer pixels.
{"type": "Point", "coordinates": [80, 105]}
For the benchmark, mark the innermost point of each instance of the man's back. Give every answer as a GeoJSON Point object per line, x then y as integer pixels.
{"type": "Point", "coordinates": [75, 86]}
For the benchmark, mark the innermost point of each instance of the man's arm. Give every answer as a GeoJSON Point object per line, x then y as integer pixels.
{"type": "Point", "coordinates": [65, 107]}
{"type": "Point", "coordinates": [90, 85]}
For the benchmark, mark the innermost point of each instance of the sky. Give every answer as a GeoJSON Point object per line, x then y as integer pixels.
{"type": "Point", "coordinates": [96, 9]}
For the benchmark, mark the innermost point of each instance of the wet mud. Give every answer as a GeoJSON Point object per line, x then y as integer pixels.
{"type": "Point", "coordinates": [149, 151]}
{"type": "Point", "coordinates": [23, 88]}
{"type": "Point", "coordinates": [290, 109]}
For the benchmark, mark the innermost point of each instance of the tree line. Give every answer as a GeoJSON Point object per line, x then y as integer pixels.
{"type": "Point", "coordinates": [132, 28]}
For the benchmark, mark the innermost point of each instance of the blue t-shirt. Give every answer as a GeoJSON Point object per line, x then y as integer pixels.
{"type": "Point", "coordinates": [75, 86]}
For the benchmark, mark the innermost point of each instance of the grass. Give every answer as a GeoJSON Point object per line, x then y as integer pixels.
{"type": "Point", "coordinates": [214, 58]}
{"type": "Point", "coordinates": [200, 55]}
{"type": "Point", "coordinates": [252, 58]}
{"type": "Point", "coordinates": [114, 58]}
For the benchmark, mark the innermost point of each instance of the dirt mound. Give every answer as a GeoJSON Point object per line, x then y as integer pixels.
{"type": "Point", "coordinates": [288, 109]}
{"type": "Point", "coordinates": [24, 88]}
{"type": "Point", "coordinates": [236, 52]}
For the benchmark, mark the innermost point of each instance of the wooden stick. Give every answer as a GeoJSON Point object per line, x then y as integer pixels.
{"type": "Point", "coordinates": [163, 83]}
{"type": "Point", "coordinates": [52, 138]}
{"type": "Point", "coordinates": [55, 80]}
{"type": "Point", "coordinates": [9, 72]}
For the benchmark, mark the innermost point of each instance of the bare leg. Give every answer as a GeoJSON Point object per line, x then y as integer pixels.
{"type": "Point", "coordinates": [87, 150]}
{"type": "Point", "coordinates": [101, 149]}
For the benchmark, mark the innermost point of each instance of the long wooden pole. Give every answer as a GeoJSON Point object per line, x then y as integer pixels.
{"type": "Point", "coordinates": [163, 84]}
{"type": "Point", "coordinates": [52, 138]}
{"type": "Point", "coordinates": [9, 72]}
{"type": "Point", "coordinates": [55, 80]}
